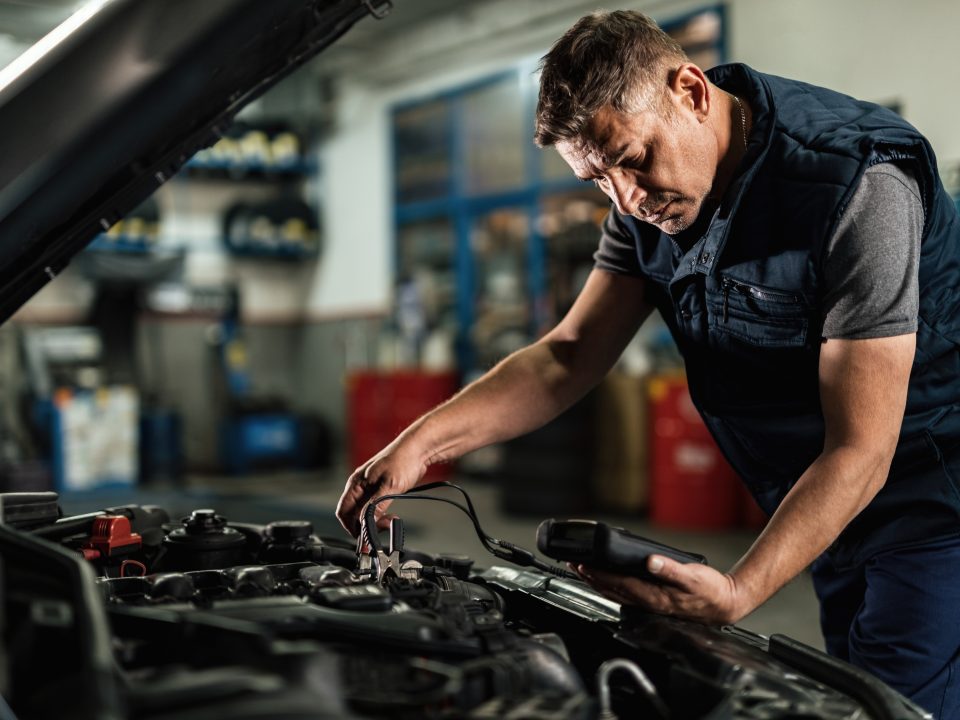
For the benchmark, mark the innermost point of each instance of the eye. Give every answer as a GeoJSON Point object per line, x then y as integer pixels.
{"type": "Point", "coordinates": [601, 182]}
{"type": "Point", "coordinates": [640, 161]}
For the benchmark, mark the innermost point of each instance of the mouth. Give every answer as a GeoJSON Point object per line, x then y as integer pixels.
{"type": "Point", "coordinates": [655, 216]}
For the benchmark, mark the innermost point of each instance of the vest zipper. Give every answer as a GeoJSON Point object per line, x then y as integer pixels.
{"type": "Point", "coordinates": [726, 297]}
{"type": "Point", "coordinates": [753, 292]}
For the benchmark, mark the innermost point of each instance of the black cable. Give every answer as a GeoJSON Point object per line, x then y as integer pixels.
{"type": "Point", "coordinates": [470, 511]}
{"type": "Point", "coordinates": [374, 541]}
{"type": "Point", "coordinates": [500, 548]}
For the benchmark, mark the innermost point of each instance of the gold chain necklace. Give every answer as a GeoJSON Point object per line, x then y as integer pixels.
{"type": "Point", "coordinates": [743, 121]}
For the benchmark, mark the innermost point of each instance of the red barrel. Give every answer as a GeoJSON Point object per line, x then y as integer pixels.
{"type": "Point", "coordinates": [381, 404]}
{"type": "Point", "coordinates": [692, 486]}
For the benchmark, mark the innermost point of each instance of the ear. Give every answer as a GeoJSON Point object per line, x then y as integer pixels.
{"type": "Point", "coordinates": [690, 90]}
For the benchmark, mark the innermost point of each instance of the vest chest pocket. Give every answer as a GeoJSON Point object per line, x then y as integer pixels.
{"type": "Point", "coordinates": [757, 315]}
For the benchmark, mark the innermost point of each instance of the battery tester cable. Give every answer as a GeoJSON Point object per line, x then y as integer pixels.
{"type": "Point", "coordinates": [500, 548]}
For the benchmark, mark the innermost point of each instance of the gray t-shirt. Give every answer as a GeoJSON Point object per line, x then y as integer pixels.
{"type": "Point", "coordinates": [870, 265]}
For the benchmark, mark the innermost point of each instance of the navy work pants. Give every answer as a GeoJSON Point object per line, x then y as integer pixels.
{"type": "Point", "coordinates": [898, 616]}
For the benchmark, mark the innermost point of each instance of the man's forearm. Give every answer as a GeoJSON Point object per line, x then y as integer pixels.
{"type": "Point", "coordinates": [863, 391]}
{"type": "Point", "coordinates": [833, 490]}
{"type": "Point", "coordinates": [523, 392]}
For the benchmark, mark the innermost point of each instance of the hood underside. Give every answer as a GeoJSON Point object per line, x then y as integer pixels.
{"type": "Point", "coordinates": [113, 102]}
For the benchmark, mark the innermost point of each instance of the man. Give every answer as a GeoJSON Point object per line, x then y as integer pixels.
{"type": "Point", "coordinates": [806, 258]}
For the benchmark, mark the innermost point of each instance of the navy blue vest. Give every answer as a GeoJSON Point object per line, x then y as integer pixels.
{"type": "Point", "coordinates": [744, 305]}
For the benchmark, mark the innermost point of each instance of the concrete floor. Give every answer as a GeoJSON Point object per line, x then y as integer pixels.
{"type": "Point", "coordinates": [434, 527]}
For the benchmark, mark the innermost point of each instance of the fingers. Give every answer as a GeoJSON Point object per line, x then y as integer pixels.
{"type": "Point", "coordinates": [695, 592]}
{"type": "Point", "coordinates": [619, 588]}
{"type": "Point", "coordinates": [663, 571]}
{"type": "Point", "coordinates": [662, 595]}
{"type": "Point", "coordinates": [383, 517]}
{"type": "Point", "coordinates": [368, 482]}
{"type": "Point", "coordinates": [357, 492]}
{"type": "Point", "coordinates": [618, 592]}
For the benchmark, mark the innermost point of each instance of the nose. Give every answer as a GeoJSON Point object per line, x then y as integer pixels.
{"type": "Point", "coordinates": [625, 193]}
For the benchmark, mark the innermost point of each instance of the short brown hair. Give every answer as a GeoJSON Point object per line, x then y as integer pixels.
{"type": "Point", "coordinates": [607, 58]}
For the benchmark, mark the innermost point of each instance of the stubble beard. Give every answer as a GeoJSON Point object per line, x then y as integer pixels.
{"type": "Point", "coordinates": [676, 225]}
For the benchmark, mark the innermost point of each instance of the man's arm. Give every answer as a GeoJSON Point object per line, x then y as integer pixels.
{"type": "Point", "coordinates": [863, 388]}
{"type": "Point", "coordinates": [524, 391]}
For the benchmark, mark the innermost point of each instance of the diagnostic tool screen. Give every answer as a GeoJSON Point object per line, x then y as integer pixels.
{"type": "Point", "coordinates": [574, 533]}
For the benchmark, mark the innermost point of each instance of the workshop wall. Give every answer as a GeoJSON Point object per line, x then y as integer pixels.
{"type": "Point", "coordinates": [179, 370]}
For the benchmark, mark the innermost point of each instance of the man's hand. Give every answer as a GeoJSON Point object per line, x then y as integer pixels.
{"type": "Point", "coordinates": [690, 591]}
{"type": "Point", "coordinates": [395, 469]}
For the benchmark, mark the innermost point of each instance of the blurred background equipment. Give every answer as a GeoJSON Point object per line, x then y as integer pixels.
{"type": "Point", "coordinates": [282, 227]}
{"type": "Point", "coordinates": [84, 426]}
{"type": "Point", "coordinates": [258, 431]}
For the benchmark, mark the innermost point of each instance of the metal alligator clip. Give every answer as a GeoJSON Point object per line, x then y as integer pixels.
{"type": "Point", "coordinates": [373, 561]}
{"type": "Point", "coordinates": [388, 563]}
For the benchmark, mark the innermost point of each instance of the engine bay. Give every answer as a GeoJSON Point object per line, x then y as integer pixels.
{"type": "Point", "coordinates": [128, 613]}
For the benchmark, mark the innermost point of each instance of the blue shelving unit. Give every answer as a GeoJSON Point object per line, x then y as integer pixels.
{"type": "Point", "coordinates": [445, 199]}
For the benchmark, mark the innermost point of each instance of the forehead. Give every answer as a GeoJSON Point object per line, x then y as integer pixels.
{"type": "Point", "coordinates": [604, 141]}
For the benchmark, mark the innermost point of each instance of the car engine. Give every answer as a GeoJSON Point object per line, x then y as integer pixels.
{"type": "Point", "coordinates": [128, 613]}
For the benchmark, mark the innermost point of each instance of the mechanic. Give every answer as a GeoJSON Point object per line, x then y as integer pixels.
{"type": "Point", "coordinates": [806, 257]}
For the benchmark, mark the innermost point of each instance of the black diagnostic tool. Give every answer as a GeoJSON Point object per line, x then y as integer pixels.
{"type": "Point", "coordinates": [598, 545]}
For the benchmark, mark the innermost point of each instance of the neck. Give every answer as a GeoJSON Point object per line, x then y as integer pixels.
{"type": "Point", "coordinates": [733, 133]}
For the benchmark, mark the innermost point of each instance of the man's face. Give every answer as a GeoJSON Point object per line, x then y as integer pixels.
{"type": "Point", "coordinates": [657, 169]}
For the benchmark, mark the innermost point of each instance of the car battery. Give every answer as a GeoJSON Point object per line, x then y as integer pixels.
{"type": "Point", "coordinates": [691, 484]}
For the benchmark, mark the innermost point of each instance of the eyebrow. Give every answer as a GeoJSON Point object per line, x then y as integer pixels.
{"type": "Point", "coordinates": [617, 157]}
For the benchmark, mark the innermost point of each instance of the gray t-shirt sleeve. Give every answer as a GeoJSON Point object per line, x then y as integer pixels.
{"type": "Point", "coordinates": [617, 252]}
{"type": "Point", "coordinates": [871, 264]}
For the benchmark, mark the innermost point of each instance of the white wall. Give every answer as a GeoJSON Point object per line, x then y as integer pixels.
{"type": "Point", "coordinates": [353, 272]}
{"type": "Point", "coordinates": [880, 50]}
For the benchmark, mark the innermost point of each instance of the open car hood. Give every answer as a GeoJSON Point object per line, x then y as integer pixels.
{"type": "Point", "coordinates": [113, 102]}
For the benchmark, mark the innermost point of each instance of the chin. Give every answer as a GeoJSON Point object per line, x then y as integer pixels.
{"type": "Point", "coordinates": [675, 225]}
{"type": "Point", "coordinates": [689, 214]}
